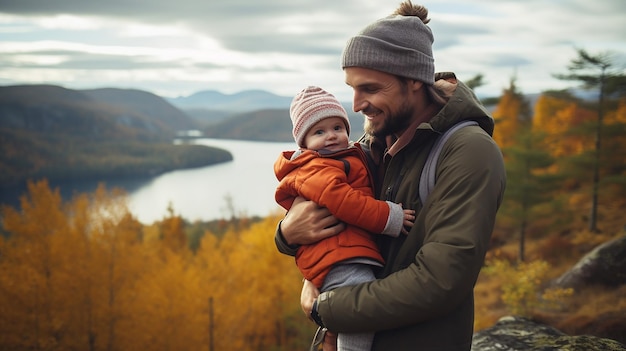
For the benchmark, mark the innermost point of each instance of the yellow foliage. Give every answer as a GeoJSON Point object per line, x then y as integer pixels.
{"type": "Point", "coordinates": [555, 117]}
{"type": "Point", "coordinates": [619, 115]}
{"type": "Point", "coordinates": [507, 116]}
{"type": "Point", "coordinates": [80, 276]}
{"type": "Point", "coordinates": [589, 238]}
{"type": "Point", "coordinates": [521, 286]}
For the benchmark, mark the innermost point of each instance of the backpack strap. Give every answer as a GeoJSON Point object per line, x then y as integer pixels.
{"type": "Point", "coordinates": [427, 178]}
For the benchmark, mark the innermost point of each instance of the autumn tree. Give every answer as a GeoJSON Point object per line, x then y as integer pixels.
{"type": "Point", "coordinates": [69, 265]}
{"type": "Point", "coordinates": [115, 264]}
{"type": "Point", "coordinates": [29, 293]}
{"type": "Point", "coordinates": [560, 117]}
{"type": "Point", "coordinates": [510, 114]}
{"type": "Point", "coordinates": [173, 231]}
{"type": "Point", "coordinates": [86, 275]}
{"type": "Point", "coordinates": [595, 73]}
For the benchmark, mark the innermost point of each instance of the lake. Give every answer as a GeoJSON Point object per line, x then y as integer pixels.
{"type": "Point", "coordinates": [244, 186]}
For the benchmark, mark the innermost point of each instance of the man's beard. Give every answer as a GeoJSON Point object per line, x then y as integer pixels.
{"type": "Point", "coordinates": [392, 124]}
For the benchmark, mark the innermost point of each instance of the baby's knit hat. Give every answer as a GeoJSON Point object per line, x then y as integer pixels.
{"type": "Point", "coordinates": [397, 44]}
{"type": "Point", "coordinates": [310, 106]}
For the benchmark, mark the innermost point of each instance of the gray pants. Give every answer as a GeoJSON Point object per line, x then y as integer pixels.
{"type": "Point", "coordinates": [345, 275]}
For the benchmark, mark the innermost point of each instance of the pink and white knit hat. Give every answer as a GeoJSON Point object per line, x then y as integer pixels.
{"type": "Point", "coordinates": [310, 106]}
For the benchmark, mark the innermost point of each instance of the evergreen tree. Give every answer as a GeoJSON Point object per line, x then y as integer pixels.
{"type": "Point", "coordinates": [595, 73]}
{"type": "Point", "coordinates": [529, 183]}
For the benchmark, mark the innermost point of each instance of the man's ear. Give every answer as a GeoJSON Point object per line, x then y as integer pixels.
{"type": "Point", "coordinates": [415, 85]}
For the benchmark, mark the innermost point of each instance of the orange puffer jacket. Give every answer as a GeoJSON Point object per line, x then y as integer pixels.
{"type": "Point", "coordinates": [340, 182]}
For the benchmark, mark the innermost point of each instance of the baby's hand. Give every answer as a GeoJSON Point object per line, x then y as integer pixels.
{"type": "Point", "coordinates": [409, 218]}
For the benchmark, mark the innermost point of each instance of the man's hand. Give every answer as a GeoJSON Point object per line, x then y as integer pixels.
{"type": "Point", "coordinates": [307, 296]}
{"type": "Point", "coordinates": [330, 341]}
{"type": "Point", "coordinates": [307, 223]}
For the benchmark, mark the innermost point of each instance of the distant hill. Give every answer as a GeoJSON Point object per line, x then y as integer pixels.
{"type": "Point", "coordinates": [267, 125]}
{"type": "Point", "coordinates": [63, 134]}
{"type": "Point", "coordinates": [100, 114]}
{"type": "Point", "coordinates": [144, 103]}
{"type": "Point", "coordinates": [245, 101]}
{"type": "Point", "coordinates": [261, 125]}
{"type": "Point", "coordinates": [204, 117]}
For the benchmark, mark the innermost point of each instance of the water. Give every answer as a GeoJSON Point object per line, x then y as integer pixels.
{"type": "Point", "coordinates": [244, 186]}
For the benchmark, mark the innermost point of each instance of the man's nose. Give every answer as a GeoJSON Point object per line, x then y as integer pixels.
{"type": "Point", "coordinates": [358, 104]}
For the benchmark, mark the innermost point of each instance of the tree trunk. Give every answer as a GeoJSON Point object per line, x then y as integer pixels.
{"type": "Point", "coordinates": [593, 217]}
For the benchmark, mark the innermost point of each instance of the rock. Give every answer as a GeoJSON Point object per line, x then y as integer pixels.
{"type": "Point", "coordinates": [520, 334]}
{"type": "Point", "coordinates": [604, 265]}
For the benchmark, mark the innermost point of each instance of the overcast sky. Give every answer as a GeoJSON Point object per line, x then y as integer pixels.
{"type": "Point", "coordinates": [178, 47]}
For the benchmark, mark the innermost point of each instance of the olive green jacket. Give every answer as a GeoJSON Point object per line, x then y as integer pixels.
{"type": "Point", "coordinates": [423, 299]}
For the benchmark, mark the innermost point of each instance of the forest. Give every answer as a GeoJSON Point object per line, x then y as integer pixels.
{"type": "Point", "coordinates": [84, 274]}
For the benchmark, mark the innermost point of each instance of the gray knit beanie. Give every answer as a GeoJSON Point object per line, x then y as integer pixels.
{"type": "Point", "coordinates": [399, 45]}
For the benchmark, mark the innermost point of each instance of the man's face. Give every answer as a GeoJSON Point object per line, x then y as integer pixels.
{"type": "Point", "coordinates": [382, 98]}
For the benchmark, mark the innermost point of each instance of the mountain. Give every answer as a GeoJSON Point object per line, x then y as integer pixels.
{"type": "Point", "coordinates": [144, 103]}
{"type": "Point", "coordinates": [261, 125]}
{"type": "Point", "coordinates": [99, 114]}
{"type": "Point", "coordinates": [206, 117]}
{"type": "Point", "coordinates": [245, 101]}
{"type": "Point", "coordinates": [51, 132]}
{"type": "Point", "coordinates": [268, 125]}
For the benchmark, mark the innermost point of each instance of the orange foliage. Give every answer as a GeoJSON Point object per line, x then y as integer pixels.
{"type": "Point", "coordinates": [507, 115]}
{"type": "Point", "coordinates": [619, 115]}
{"type": "Point", "coordinates": [79, 276]}
{"type": "Point", "coordinates": [556, 117]}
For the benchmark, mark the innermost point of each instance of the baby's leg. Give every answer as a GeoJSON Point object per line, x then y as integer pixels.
{"type": "Point", "coordinates": [350, 274]}
{"type": "Point", "coordinates": [354, 341]}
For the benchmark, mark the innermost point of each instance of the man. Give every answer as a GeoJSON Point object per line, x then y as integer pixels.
{"type": "Point", "coordinates": [423, 297]}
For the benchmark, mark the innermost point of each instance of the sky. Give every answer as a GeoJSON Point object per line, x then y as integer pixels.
{"type": "Point", "coordinates": [176, 48]}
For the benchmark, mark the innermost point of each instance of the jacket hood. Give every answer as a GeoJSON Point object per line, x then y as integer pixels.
{"type": "Point", "coordinates": [287, 163]}
{"type": "Point", "coordinates": [289, 160]}
{"type": "Point", "coordinates": [461, 105]}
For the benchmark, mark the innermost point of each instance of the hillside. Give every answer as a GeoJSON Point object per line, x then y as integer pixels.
{"type": "Point", "coordinates": [146, 104]}
{"type": "Point", "coordinates": [245, 101]}
{"type": "Point", "coordinates": [63, 134]}
{"type": "Point", "coordinates": [101, 114]}
{"type": "Point", "coordinates": [267, 125]}
{"type": "Point", "coordinates": [204, 118]}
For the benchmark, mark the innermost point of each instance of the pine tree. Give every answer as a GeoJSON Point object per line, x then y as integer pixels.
{"type": "Point", "coordinates": [529, 183]}
{"type": "Point", "coordinates": [594, 72]}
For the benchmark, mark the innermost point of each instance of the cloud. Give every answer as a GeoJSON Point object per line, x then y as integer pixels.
{"type": "Point", "coordinates": [177, 48]}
